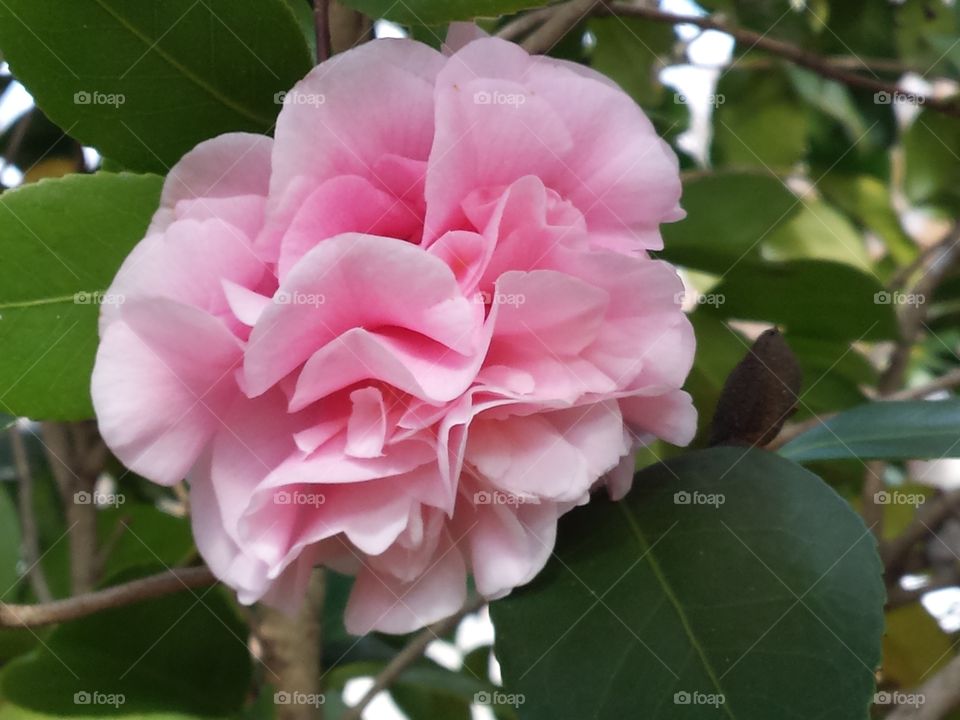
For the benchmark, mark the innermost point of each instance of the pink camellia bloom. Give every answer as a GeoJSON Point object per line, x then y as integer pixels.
{"type": "Point", "coordinates": [407, 334]}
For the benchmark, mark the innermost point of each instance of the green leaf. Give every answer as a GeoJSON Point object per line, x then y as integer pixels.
{"type": "Point", "coordinates": [769, 596]}
{"type": "Point", "coordinates": [931, 147]}
{"type": "Point", "coordinates": [818, 231]}
{"type": "Point", "coordinates": [185, 653]}
{"type": "Point", "coordinates": [145, 82]}
{"type": "Point", "coordinates": [729, 215]}
{"type": "Point", "coordinates": [904, 430]}
{"type": "Point", "coordinates": [760, 120]}
{"type": "Point", "coordinates": [61, 243]}
{"type": "Point", "coordinates": [809, 297]}
{"type": "Point", "coordinates": [435, 12]}
{"type": "Point", "coordinates": [628, 50]}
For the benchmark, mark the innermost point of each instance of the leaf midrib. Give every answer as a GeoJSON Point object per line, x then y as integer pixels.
{"type": "Point", "coordinates": [675, 602]}
{"type": "Point", "coordinates": [56, 300]}
{"type": "Point", "coordinates": [153, 46]}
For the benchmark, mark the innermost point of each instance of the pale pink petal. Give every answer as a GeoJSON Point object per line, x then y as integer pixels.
{"type": "Point", "coordinates": [164, 374]}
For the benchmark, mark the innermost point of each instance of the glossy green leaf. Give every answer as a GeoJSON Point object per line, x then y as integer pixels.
{"type": "Point", "coordinates": [61, 243]}
{"type": "Point", "coordinates": [808, 297]}
{"type": "Point", "coordinates": [185, 653]}
{"type": "Point", "coordinates": [761, 597]}
{"type": "Point", "coordinates": [628, 50]}
{"type": "Point", "coordinates": [145, 82]}
{"type": "Point", "coordinates": [884, 431]}
{"type": "Point", "coordinates": [818, 231]}
{"type": "Point", "coordinates": [931, 147]}
{"type": "Point", "coordinates": [729, 216]}
{"type": "Point", "coordinates": [434, 12]}
{"type": "Point", "coordinates": [759, 120]}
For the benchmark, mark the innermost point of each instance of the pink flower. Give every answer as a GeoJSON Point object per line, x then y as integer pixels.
{"type": "Point", "coordinates": [405, 336]}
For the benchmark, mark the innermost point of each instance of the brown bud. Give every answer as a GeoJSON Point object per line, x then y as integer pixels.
{"type": "Point", "coordinates": [759, 395]}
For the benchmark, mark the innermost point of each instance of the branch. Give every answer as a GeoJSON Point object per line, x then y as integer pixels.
{"type": "Point", "coordinates": [321, 28]}
{"type": "Point", "coordinates": [28, 519]}
{"type": "Point", "coordinates": [409, 655]}
{"type": "Point", "coordinates": [940, 694]}
{"type": "Point", "coordinates": [292, 650]}
{"type": "Point", "coordinates": [928, 519]}
{"type": "Point", "coordinates": [798, 56]}
{"type": "Point", "coordinates": [557, 24]}
{"type": "Point", "coordinates": [944, 382]}
{"type": "Point", "coordinates": [148, 588]}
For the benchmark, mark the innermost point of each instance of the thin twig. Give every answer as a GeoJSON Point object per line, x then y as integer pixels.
{"type": "Point", "coordinates": [409, 655]}
{"type": "Point", "coordinates": [930, 517]}
{"type": "Point", "coordinates": [798, 56]}
{"type": "Point", "coordinates": [557, 24]}
{"type": "Point", "coordinates": [321, 28]}
{"type": "Point", "coordinates": [28, 519]}
{"type": "Point", "coordinates": [945, 382]}
{"type": "Point", "coordinates": [940, 694]}
{"type": "Point", "coordinates": [79, 606]}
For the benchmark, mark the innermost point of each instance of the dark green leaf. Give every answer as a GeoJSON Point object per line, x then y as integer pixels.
{"type": "Point", "coordinates": [817, 299]}
{"type": "Point", "coordinates": [61, 243]}
{"type": "Point", "coordinates": [185, 653]}
{"type": "Point", "coordinates": [884, 431]}
{"type": "Point", "coordinates": [772, 599]}
{"type": "Point", "coordinates": [729, 215]}
{"type": "Point", "coordinates": [627, 51]}
{"type": "Point", "coordinates": [145, 82]}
